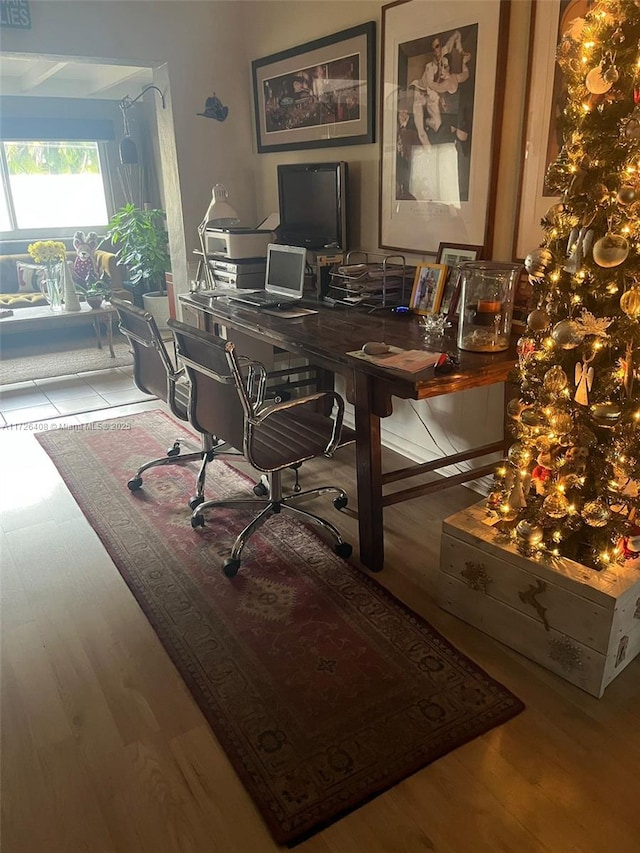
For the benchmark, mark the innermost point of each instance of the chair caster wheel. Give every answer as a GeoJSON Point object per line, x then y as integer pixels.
{"type": "Point", "coordinates": [194, 502]}
{"type": "Point", "coordinates": [297, 487]}
{"type": "Point", "coordinates": [260, 490]}
{"type": "Point", "coordinates": [175, 450]}
{"type": "Point", "coordinates": [230, 568]}
{"type": "Point", "coordinates": [343, 550]}
{"type": "Point", "coordinates": [340, 503]}
{"type": "Point", "coordinates": [134, 484]}
{"type": "Point", "coordinates": [197, 521]}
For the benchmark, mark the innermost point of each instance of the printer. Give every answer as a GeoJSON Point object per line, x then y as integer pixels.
{"type": "Point", "coordinates": [236, 242]}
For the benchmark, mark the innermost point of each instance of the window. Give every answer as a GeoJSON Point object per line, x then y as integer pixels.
{"type": "Point", "coordinates": [52, 185]}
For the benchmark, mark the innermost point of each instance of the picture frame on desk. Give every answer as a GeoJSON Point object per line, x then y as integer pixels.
{"type": "Point", "coordinates": [545, 100]}
{"type": "Point", "coordinates": [428, 287]}
{"type": "Point", "coordinates": [452, 255]}
{"type": "Point", "coordinates": [522, 302]}
{"type": "Point", "coordinates": [438, 167]}
{"type": "Point", "coordinates": [318, 94]}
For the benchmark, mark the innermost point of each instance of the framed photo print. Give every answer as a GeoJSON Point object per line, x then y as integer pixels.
{"type": "Point", "coordinates": [546, 97]}
{"type": "Point", "coordinates": [452, 255]}
{"type": "Point", "coordinates": [428, 286]}
{"type": "Point", "coordinates": [522, 301]}
{"type": "Point", "coordinates": [318, 94]}
{"type": "Point", "coordinates": [441, 111]}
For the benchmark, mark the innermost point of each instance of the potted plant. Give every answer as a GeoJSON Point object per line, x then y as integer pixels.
{"type": "Point", "coordinates": [97, 291]}
{"type": "Point", "coordinates": [140, 241]}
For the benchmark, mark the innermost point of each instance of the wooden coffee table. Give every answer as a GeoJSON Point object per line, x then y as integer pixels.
{"type": "Point", "coordinates": [42, 317]}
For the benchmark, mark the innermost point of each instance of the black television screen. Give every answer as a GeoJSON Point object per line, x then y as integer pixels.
{"type": "Point", "coordinates": [312, 200]}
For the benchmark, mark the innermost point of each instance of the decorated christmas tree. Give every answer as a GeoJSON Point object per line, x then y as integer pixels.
{"type": "Point", "coordinates": [571, 480]}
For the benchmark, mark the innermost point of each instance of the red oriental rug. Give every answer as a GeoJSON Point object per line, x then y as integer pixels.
{"type": "Point", "coordinates": [323, 689]}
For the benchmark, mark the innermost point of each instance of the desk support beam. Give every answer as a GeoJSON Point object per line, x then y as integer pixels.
{"type": "Point", "coordinates": [369, 475]}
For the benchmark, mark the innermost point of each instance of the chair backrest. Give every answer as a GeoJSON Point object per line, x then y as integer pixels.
{"type": "Point", "coordinates": [153, 370]}
{"type": "Point", "coordinates": [219, 400]}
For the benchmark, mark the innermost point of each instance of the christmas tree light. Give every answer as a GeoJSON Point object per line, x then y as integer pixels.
{"type": "Point", "coordinates": [570, 485]}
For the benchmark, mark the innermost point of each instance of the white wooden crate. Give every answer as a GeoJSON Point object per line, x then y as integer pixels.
{"type": "Point", "coordinates": [581, 624]}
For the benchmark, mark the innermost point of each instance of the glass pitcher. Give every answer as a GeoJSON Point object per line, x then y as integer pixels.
{"type": "Point", "coordinates": [486, 305]}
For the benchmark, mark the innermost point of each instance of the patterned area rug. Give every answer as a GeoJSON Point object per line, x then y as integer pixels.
{"type": "Point", "coordinates": [322, 688]}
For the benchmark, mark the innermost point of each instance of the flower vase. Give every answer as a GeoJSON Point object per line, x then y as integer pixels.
{"type": "Point", "coordinates": [51, 287]}
{"type": "Point", "coordinates": [71, 300]}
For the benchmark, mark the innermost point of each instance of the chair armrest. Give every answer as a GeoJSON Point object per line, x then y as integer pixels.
{"type": "Point", "coordinates": [264, 412]}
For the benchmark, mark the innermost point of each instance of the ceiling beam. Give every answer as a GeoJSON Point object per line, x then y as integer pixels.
{"type": "Point", "coordinates": [38, 73]}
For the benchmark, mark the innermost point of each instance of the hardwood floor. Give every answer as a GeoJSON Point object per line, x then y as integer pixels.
{"type": "Point", "coordinates": [104, 750]}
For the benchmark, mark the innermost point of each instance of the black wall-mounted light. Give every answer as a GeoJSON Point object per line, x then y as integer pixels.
{"type": "Point", "coordinates": [128, 148]}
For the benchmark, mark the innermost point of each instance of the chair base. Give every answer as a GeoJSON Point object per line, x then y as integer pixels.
{"type": "Point", "coordinates": [274, 506]}
{"type": "Point", "coordinates": [174, 456]}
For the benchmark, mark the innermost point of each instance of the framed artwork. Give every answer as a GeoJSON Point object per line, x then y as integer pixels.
{"type": "Point", "coordinates": [452, 255]}
{"type": "Point", "coordinates": [441, 102]}
{"type": "Point", "coordinates": [428, 286]}
{"type": "Point", "coordinates": [318, 94]}
{"type": "Point", "coordinates": [522, 301]}
{"type": "Point", "coordinates": [546, 97]}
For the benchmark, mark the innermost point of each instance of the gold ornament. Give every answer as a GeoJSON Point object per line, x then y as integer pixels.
{"type": "Point", "coordinates": [528, 534]}
{"type": "Point", "coordinates": [538, 320]}
{"type": "Point", "coordinates": [556, 505]}
{"type": "Point", "coordinates": [626, 194]}
{"type": "Point", "coordinates": [610, 250]}
{"type": "Point", "coordinates": [537, 261]}
{"type": "Point", "coordinates": [596, 83]}
{"type": "Point", "coordinates": [566, 334]}
{"type": "Point", "coordinates": [605, 414]}
{"type": "Point", "coordinates": [596, 513]}
{"type": "Point", "coordinates": [555, 379]}
{"type": "Point", "coordinates": [630, 303]}
{"type": "Point", "coordinates": [562, 423]}
{"type": "Point", "coordinates": [533, 417]}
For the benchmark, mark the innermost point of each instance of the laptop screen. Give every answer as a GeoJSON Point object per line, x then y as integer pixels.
{"type": "Point", "coordinates": [285, 270]}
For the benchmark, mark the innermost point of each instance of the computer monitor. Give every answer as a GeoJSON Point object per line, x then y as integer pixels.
{"type": "Point", "coordinates": [312, 201]}
{"type": "Point", "coordinates": [286, 267]}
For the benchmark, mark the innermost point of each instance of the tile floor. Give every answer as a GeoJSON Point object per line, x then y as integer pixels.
{"type": "Point", "coordinates": [68, 397]}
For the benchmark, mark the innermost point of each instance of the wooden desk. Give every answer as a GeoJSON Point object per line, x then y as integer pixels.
{"type": "Point", "coordinates": [325, 339]}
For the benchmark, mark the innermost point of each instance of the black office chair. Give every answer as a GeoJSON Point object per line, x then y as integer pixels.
{"type": "Point", "coordinates": [228, 398]}
{"type": "Point", "coordinates": [154, 372]}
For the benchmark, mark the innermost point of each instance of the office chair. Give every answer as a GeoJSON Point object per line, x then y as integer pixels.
{"type": "Point", "coordinates": [228, 398]}
{"type": "Point", "coordinates": [155, 373]}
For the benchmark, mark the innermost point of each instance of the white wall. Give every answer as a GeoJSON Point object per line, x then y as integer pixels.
{"type": "Point", "coordinates": [199, 47]}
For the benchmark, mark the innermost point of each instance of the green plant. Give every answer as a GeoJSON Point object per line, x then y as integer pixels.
{"type": "Point", "coordinates": [139, 239]}
{"type": "Point", "coordinates": [99, 287]}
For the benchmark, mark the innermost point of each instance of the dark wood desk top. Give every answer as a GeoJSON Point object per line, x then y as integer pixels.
{"type": "Point", "coordinates": [328, 335]}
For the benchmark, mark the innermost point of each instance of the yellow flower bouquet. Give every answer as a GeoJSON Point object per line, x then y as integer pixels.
{"type": "Point", "coordinates": [51, 254]}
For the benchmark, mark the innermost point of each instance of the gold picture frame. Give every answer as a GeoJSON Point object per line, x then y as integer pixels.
{"type": "Point", "coordinates": [428, 287]}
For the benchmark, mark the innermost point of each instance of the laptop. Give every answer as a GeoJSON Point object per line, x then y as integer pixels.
{"type": "Point", "coordinates": [284, 278]}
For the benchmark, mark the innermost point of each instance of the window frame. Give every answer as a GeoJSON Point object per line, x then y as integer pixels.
{"type": "Point", "coordinates": [21, 234]}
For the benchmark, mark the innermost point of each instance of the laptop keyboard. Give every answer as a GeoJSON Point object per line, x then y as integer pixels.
{"type": "Point", "coordinates": [263, 299]}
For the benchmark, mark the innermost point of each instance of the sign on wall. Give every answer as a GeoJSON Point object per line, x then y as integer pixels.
{"type": "Point", "coordinates": [15, 14]}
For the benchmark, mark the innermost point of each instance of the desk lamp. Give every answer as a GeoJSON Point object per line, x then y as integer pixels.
{"type": "Point", "coordinates": [220, 214]}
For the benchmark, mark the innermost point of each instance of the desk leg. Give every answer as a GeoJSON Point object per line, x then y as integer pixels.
{"type": "Point", "coordinates": [369, 476]}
